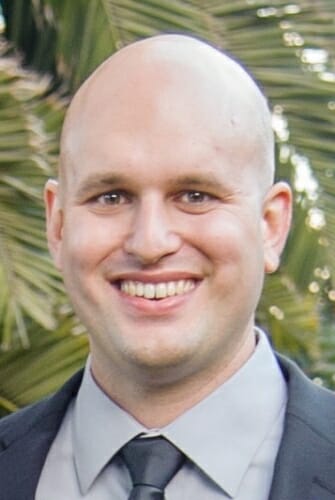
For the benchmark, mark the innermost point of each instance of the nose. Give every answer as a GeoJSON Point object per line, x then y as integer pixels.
{"type": "Point", "coordinates": [152, 235]}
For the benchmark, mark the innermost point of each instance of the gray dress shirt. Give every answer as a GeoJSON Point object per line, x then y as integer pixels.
{"type": "Point", "coordinates": [231, 439]}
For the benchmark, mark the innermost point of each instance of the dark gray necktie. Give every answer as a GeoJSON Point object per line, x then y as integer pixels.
{"type": "Point", "coordinates": [152, 462]}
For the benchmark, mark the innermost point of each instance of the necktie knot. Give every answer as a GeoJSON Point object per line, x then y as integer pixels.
{"type": "Point", "coordinates": [152, 462]}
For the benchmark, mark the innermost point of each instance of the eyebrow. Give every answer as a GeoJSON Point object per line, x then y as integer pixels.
{"type": "Point", "coordinates": [93, 183]}
{"type": "Point", "coordinates": [203, 181]}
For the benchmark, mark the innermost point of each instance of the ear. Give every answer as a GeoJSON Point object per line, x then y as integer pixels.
{"type": "Point", "coordinates": [277, 213]}
{"type": "Point", "coordinates": [54, 220]}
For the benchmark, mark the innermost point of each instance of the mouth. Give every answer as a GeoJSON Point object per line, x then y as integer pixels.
{"type": "Point", "coordinates": [156, 291]}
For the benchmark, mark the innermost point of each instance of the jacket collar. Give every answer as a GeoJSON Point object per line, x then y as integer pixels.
{"type": "Point", "coordinates": [25, 439]}
{"type": "Point", "coordinates": [306, 459]}
{"type": "Point", "coordinates": [304, 467]}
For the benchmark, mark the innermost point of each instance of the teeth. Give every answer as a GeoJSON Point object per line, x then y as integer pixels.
{"type": "Point", "coordinates": [156, 290]}
{"type": "Point", "coordinates": [139, 289]}
{"type": "Point", "coordinates": [160, 291]}
{"type": "Point", "coordinates": [171, 288]}
{"type": "Point", "coordinates": [149, 291]}
{"type": "Point", "coordinates": [132, 288]}
{"type": "Point", "coordinates": [180, 286]}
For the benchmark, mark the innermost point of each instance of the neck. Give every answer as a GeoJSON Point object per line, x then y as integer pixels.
{"type": "Point", "coordinates": [156, 404]}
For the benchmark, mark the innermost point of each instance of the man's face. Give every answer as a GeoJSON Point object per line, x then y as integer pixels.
{"type": "Point", "coordinates": [161, 232]}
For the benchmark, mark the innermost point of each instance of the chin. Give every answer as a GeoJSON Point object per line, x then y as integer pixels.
{"type": "Point", "coordinates": [159, 361]}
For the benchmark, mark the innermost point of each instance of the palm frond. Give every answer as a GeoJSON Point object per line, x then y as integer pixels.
{"type": "Point", "coordinates": [27, 375]}
{"type": "Point", "coordinates": [28, 146]}
{"type": "Point", "coordinates": [290, 49]}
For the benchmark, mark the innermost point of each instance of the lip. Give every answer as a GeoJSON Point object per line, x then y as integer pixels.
{"type": "Point", "coordinates": [150, 307]}
{"type": "Point", "coordinates": [155, 277]}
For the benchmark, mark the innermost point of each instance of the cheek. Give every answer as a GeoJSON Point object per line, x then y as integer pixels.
{"type": "Point", "coordinates": [226, 237]}
{"type": "Point", "coordinates": [87, 241]}
{"type": "Point", "coordinates": [233, 247]}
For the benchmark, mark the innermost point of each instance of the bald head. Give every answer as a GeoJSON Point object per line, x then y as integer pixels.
{"type": "Point", "coordinates": [164, 220]}
{"type": "Point", "coordinates": [172, 80]}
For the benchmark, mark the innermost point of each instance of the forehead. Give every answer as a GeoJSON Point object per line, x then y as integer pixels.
{"type": "Point", "coordinates": [163, 161]}
{"type": "Point", "coordinates": [161, 107]}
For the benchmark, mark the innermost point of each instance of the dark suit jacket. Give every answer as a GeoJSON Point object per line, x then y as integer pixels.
{"type": "Point", "coordinates": [305, 467]}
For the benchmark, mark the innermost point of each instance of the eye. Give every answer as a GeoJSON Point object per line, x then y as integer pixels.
{"type": "Point", "coordinates": [196, 202]}
{"type": "Point", "coordinates": [195, 197]}
{"type": "Point", "coordinates": [113, 198]}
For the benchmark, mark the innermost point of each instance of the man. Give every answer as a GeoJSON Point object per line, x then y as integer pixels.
{"type": "Point", "coordinates": [162, 222]}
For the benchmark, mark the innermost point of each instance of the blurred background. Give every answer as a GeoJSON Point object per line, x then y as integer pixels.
{"type": "Point", "coordinates": [47, 48]}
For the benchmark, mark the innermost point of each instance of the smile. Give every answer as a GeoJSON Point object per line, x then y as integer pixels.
{"type": "Point", "coordinates": [160, 290]}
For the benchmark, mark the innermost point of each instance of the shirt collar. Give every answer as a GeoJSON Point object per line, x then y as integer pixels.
{"type": "Point", "coordinates": [223, 432]}
{"type": "Point", "coordinates": [100, 429]}
{"type": "Point", "coordinates": [241, 412]}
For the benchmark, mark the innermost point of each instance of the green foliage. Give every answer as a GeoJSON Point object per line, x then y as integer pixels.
{"type": "Point", "coordinates": [30, 122]}
{"type": "Point", "coordinates": [290, 49]}
{"type": "Point", "coordinates": [29, 374]}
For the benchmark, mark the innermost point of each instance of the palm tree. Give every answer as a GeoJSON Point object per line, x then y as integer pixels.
{"type": "Point", "coordinates": [288, 47]}
{"type": "Point", "coordinates": [31, 293]}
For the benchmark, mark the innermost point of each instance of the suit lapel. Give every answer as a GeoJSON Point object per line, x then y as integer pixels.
{"type": "Point", "coordinates": [25, 439]}
{"type": "Point", "coordinates": [22, 462]}
{"type": "Point", "coordinates": [305, 466]}
{"type": "Point", "coordinates": [304, 470]}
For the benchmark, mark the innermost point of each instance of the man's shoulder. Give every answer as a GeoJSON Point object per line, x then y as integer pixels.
{"type": "Point", "coordinates": [308, 402]}
{"type": "Point", "coordinates": [305, 462]}
{"type": "Point", "coordinates": [52, 408]}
